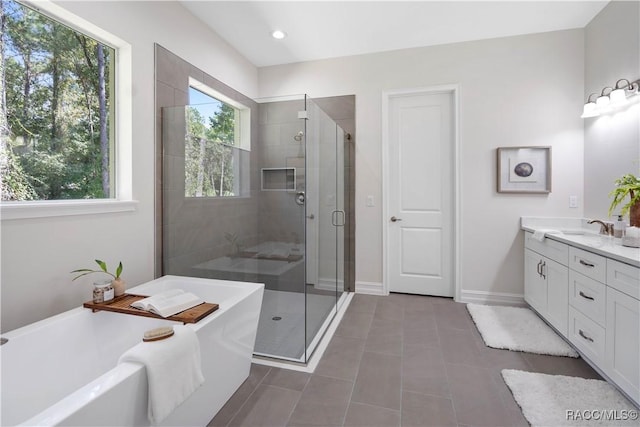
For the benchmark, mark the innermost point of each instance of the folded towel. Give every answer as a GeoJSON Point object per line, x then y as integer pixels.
{"type": "Point", "coordinates": [540, 234]}
{"type": "Point", "coordinates": [173, 367]}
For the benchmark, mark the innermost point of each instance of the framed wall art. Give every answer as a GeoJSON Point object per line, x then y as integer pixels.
{"type": "Point", "coordinates": [524, 169]}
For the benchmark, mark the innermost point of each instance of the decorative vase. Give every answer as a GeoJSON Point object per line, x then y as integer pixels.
{"type": "Point", "coordinates": [118, 286]}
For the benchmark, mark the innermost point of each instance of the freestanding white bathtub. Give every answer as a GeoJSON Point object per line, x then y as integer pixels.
{"type": "Point", "coordinates": [63, 370]}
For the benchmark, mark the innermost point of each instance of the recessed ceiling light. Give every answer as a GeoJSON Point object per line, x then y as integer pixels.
{"type": "Point", "coordinates": [278, 34]}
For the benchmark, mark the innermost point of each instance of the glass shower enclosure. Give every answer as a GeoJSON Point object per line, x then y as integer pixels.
{"type": "Point", "coordinates": [262, 204]}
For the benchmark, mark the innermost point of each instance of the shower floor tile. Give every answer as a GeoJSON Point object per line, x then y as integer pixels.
{"type": "Point", "coordinates": [281, 329]}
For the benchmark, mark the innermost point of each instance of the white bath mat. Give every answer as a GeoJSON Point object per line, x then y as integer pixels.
{"type": "Point", "coordinates": [519, 329]}
{"type": "Point", "coordinates": [558, 400]}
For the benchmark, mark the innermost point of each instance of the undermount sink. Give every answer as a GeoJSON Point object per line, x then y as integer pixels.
{"type": "Point", "coordinates": [573, 232]}
{"type": "Point", "coordinates": [595, 240]}
{"type": "Point", "coordinates": [579, 232]}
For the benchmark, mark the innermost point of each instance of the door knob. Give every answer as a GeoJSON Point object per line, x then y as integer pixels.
{"type": "Point", "coordinates": [394, 219]}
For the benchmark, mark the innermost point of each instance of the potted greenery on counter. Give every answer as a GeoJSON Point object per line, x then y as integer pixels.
{"type": "Point", "coordinates": [118, 283]}
{"type": "Point", "coordinates": [628, 185]}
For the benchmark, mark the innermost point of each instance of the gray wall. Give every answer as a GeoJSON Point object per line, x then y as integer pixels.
{"type": "Point", "coordinates": [280, 219]}
{"type": "Point", "coordinates": [191, 231]}
{"type": "Point", "coordinates": [611, 142]}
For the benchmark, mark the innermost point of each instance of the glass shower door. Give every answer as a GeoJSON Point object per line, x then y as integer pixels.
{"type": "Point", "coordinates": [325, 221]}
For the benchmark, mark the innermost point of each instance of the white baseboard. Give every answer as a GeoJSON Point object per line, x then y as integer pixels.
{"type": "Point", "coordinates": [497, 298]}
{"type": "Point", "coordinates": [328, 284]}
{"type": "Point", "coordinates": [371, 288]}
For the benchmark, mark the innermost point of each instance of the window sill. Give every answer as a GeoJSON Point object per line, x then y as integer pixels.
{"type": "Point", "coordinates": [51, 208]}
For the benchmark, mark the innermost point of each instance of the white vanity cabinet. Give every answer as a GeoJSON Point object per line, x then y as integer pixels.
{"type": "Point", "coordinates": [546, 280]}
{"type": "Point", "coordinates": [587, 303]}
{"type": "Point", "coordinates": [622, 350]}
{"type": "Point", "coordinates": [593, 300]}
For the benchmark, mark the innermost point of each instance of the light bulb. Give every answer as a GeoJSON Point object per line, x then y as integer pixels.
{"type": "Point", "coordinates": [618, 97]}
{"type": "Point", "coordinates": [278, 34]}
{"type": "Point", "coordinates": [590, 110]}
{"type": "Point", "coordinates": [603, 101]}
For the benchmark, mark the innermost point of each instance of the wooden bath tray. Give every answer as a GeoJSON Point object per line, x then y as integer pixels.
{"type": "Point", "coordinates": [122, 304]}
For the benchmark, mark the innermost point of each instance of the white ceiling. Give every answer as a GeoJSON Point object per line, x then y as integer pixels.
{"type": "Point", "coordinates": [327, 29]}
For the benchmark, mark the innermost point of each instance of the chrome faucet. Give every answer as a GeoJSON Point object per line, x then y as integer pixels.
{"type": "Point", "coordinates": [606, 229]}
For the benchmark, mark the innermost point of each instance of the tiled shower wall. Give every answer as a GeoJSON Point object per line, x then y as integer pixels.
{"type": "Point", "coordinates": [281, 219]}
{"type": "Point", "coordinates": [193, 229]}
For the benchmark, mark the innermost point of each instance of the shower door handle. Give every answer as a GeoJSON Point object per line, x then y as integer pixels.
{"type": "Point", "coordinates": [334, 218]}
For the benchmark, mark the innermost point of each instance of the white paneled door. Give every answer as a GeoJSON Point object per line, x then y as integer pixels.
{"type": "Point", "coordinates": [420, 193]}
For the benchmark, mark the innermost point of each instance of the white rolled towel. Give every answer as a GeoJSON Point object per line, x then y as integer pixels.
{"type": "Point", "coordinates": [174, 370]}
{"type": "Point", "coordinates": [541, 233]}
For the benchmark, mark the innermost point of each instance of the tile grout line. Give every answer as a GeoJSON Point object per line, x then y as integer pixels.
{"type": "Point", "coordinates": [299, 398]}
{"type": "Point", "coordinates": [446, 373]}
{"type": "Point", "coordinates": [248, 397]}
{"type": "Point", "coordinates": [344, 417]}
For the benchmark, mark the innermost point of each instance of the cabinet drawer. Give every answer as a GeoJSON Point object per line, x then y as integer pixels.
{"type": "Point", "coordinates": [624, 277]}
{"type": "Point", "coordinates": [588, 296]}
{"type": "Point", "coordinates": [589, 264]}
{"type": "Point", "coordinates": [556, 251]}
{"type": "Point", "coordinates": [587, 336]}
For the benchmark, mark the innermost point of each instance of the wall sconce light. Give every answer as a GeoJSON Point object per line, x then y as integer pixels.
{"type": "Point", "coordinates": [590, 108]}
{"type": "Point", "coordinates": [616, 97]}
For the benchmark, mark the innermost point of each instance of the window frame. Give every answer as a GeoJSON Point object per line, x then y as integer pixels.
{"type": "Point", "coordinates": [122, 129]}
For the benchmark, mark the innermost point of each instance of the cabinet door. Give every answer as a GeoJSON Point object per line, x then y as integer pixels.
{"type": "Point", "coordinates": [557, 294]}
{"type": "Point", "coordinates": [622, 349]}
{"type": "Point", "coordinates": [535, 285]}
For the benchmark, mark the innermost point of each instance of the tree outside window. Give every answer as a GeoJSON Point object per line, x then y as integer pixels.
{"type": "Point", "coordinates": [56, 109]}
{"type": "Point", "coordinates": [211, 155]}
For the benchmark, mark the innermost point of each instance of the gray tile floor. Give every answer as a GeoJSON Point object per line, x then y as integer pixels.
{"type": "Point", "coordinates": [399, 360]}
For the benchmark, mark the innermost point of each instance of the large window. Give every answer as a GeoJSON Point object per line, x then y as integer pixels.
{"type": "Point", "coordinates": [56, 111]}
{"type": "Point", "coordinates": [217, 144]}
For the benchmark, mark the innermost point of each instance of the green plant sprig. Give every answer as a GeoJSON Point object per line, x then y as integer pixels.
{"type": "Point", "coordinates": [103, 269]}
{"type": "Point", "coordinates": [627, 185]}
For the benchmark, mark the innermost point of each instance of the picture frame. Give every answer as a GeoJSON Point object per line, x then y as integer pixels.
{"type": "Point", "coordinates": [524, 169]}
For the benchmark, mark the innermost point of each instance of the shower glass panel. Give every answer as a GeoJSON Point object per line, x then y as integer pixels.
{"type": "Point", "coordinates": [325, 219]}
{"type": "Point", "coordinates": [268, 211]}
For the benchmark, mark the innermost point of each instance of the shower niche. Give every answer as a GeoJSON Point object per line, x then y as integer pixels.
{"type": "Point", "coordinates": [278, 179]}
{"type": "Point", "coordinates": [273, 209]}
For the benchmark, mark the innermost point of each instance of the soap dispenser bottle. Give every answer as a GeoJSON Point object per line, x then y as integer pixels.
{"type": "Point", "coordinates": [618, 227]}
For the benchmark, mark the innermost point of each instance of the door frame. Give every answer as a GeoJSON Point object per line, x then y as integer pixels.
{"type": "Point", "coordinates": [454, 90]}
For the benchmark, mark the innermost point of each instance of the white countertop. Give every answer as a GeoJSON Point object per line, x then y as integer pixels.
{"type": "Point", "coordinates": [576, 232]}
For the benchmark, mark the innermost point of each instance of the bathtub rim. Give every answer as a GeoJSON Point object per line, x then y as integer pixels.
{"type": "Point", "coordinates": [80, 397]}
{"type": "Point", "coordinates": [249, 287]}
